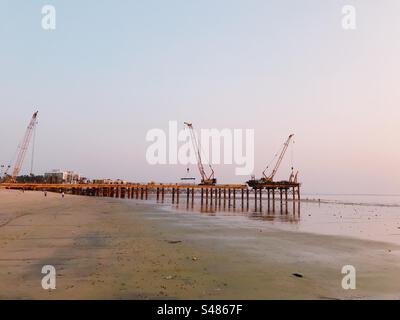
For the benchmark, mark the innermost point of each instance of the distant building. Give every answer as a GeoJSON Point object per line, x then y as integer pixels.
{"type": "Point", "coordinates": [83, 180]}
{"type": "Point", "coordinates": [58, 176]}
{"type": "Point", "coordinates": [109, 181]}
{"type": "Point", "coordinates": [71, 177]}
{"type": "Point", "coordinates": [103, 181]}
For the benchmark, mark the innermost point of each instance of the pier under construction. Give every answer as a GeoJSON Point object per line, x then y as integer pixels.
{"type": "Point", "coordinates": [233, 194]}
{"type": "Point", "coordinates": [209, 192]}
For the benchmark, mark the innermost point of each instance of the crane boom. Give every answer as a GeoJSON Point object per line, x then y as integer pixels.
{"type": "Point", "coordinates": [197, 149]}
{"type": "Point", "coordinates": [268, 180]}
{"type": "Point", "coordinates": [23, 147]}
{"type": "Point", "coordinates": [278, 163]}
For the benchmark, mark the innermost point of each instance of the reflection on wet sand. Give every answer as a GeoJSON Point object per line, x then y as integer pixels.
{"type": "Point", "coordinates": [364, 217]}
{"type": "Point", "coordinates": [283, 210]}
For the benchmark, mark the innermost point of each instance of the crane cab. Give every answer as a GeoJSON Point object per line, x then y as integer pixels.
{"type": "Point", "coordinates": [208, 182]}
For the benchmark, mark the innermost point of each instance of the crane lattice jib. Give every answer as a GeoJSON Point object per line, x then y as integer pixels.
{"type": "Point", "coordinates": [197, 151]}
{"type": "Point", "coordinates": [24, 146]}
{"type": "Point", "coordinates": [282, 154]}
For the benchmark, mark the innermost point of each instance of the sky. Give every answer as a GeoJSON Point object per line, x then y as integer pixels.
{"type": "Point", "coordinates": [113, 70]}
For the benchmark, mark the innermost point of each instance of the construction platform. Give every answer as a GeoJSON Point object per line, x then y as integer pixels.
{"type": "Point", "coordinates": [208, 193]}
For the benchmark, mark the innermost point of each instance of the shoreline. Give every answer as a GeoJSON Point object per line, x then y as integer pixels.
{"type": "Point", "coordinates": [106, 248]}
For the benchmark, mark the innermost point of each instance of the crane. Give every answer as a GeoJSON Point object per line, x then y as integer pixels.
{"type": "Point", "coordinates": [278, 163]}
{"type": "Point", "coordinates": [22, 149]}
{"type": "Point", "coordinates": [269, 178]}
{"type": "Point", "coordinates": [205, 179]}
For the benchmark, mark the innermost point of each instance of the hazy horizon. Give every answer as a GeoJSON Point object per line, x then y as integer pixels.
{"type": "Point", "coordinates": [112, 70]}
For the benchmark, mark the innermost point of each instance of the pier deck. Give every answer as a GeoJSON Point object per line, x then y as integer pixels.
{"type": "Point", "coordinates": [227, 192]}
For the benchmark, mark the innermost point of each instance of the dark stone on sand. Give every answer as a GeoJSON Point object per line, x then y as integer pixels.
{"type": "Point", "coordinates": [298, 275]}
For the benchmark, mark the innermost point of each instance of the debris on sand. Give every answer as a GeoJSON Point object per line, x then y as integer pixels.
{"type": "Point", "coordinates": [173, 241]}
{"type": "Point", "coordinates": [298, 275]}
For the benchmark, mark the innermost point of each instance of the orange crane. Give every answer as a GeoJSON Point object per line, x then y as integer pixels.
{"type": "Point", "coordinates": [278, 163]}
{"type": "Point", "coordinates": [205, 179]}
{"type": "Point", "coordinates": [269, 179]}
{"type": "Point", "coordinates": [22, 149]}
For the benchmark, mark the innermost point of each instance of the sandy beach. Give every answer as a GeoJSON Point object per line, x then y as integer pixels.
{"type": "Point", "coordinates": [105, 248]}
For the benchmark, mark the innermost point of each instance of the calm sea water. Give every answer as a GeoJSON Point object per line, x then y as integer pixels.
{"type": "Point", "coordinates": [373, 217]}
{"type": "Point", "coordinates": [389, 200]}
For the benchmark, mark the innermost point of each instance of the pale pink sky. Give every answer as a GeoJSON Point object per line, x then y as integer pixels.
{"type": "Point", "coordinates": [112, 71]}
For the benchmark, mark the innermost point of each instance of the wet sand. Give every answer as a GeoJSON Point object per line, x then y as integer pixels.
{"type": "Point", "coordinates": [106, 248]}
